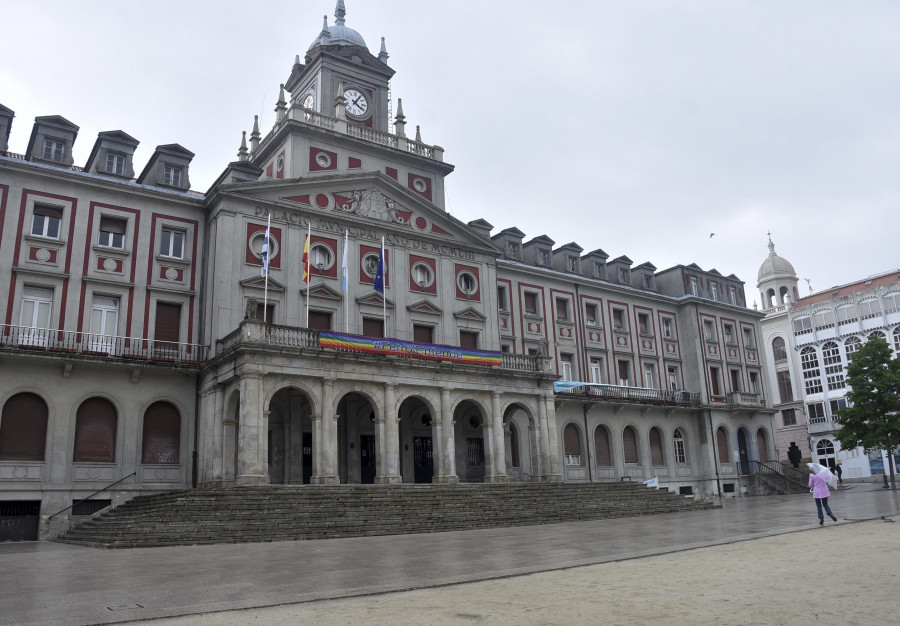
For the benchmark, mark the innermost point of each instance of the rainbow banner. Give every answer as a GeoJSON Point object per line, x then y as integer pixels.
{"type": "Point", "coordinates": [395, 347]}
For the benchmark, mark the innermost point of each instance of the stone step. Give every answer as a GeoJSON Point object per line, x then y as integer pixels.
{"type": "Point", "coordinates": [278, 513]}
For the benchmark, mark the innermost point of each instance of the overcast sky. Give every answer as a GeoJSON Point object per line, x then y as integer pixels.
{"type": "Point", "coordinates": [638, 127]}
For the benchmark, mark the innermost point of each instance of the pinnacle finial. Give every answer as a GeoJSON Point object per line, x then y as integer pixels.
{"type": "Point", "coordinates": [339, 12]}
{"type": "Point", "coordinates": [383, 55]}
{"type": "Point", "coordinates": [418, 134]}
{"type": "Point", "coordinates": [242, 151]}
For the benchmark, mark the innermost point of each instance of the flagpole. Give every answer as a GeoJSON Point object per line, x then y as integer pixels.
{"type": "Point", "coordinates": [309, 276]}
{"type": "Point", "coordinates": [266, 269]}
{"type": "Point", "coordinates": [345, 285]}
{"type": "Point", "coordinates": [383, 294]}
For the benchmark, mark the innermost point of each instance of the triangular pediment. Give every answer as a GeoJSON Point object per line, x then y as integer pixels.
{"type": "Point", "coordinates": [470, 314]}
{"type": "Point", "coordinates": [370, 203]}
{"type": "Point", "coordinates": [375, 299]}
{"type": "Point", "coordinates": [424, 306]}
{"type": "Point", "coordinates": [321, 290]}
{"type": "Point", "coordinates": [259, 282]}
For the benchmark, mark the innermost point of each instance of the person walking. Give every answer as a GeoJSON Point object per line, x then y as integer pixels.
{"type": "Point", "coordinates": [838, 471]}
{"type": "Point", "coordinates": [818, 485]}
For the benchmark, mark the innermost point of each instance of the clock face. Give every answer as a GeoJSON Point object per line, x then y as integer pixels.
{"type": "Point", "coordinates": [308, 101]}
{"type": "Point", "coordinates": [356, 102]}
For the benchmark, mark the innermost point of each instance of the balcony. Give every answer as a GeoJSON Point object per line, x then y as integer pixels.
{"type": "Point", "coordinates": [70, 344]}
{"type": "Point", "coordinates": [742, 398]}
{"type": "Point", "coordinates": [255, 335]}
{"type": "Point", "coordinates": [618, 393]}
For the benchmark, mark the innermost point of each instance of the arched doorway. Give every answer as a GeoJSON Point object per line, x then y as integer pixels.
{"type": "Point", "coordinates": [290, 438]}
{"type": "Point", "coordinates": [358, 437]}
{"type": "Point", "coordinates": [518, 431]}
{"type": "Point", "coordinates": [470, 443]}
{"type": "Point", "coordinates": [417, 452]}
{"type": "Point", "coordinates": [825, 453]}
{"type": "Point", "coordinates": [743, 453]}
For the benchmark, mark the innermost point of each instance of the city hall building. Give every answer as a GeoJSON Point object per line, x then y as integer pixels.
{"type": "Point", "coordinates": [145, 348]}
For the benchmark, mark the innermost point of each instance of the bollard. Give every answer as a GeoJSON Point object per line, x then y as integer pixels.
{"type": "Point", "coordinates": [884, 476]}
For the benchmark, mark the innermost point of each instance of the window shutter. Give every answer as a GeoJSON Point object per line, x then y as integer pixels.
{"type": "Point", "coordinates": [423, 334]}
{"type": "Point", "coordinates": [319, 320]}
{"type": "Point", "coordinates": [629, 442]}
{"type": "Point", "coordinates": [761, 446]}
{"type": "Point", "coordinates": [112, 225]}
{"type": "Point", "coordinates": [468, 340]}
{"type": "Point", "coordinates": [270, 313]}
{"type": "Point", "coordinates": [23, 428]}
{"type": "Point", "coordinates": [95, 432]}
{"type": "Point", "coordinates": [373, 327]}
{"type": "Point", "coordinates": [168, 322]}
{"type": "Point", "coordinates": [601, 447]}
{"type": "Point", "coordinates": [161, 442]}
{"type": "Point", "coordinates": [572, 443]}
{"type": "Point", "coordinates": [48, 211]}
{"type": "Point", "coordinates": [722, 444]}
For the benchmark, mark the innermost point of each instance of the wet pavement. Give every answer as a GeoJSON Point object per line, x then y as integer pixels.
{"type": "Point", "coordinates": [46, 582]}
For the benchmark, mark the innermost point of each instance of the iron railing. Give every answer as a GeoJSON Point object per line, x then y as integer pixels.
{"type": "Point", "coordinates": [74, 504]}
{"type": "Point", "coordinates": [777, 475]}
{"type": "Point", "coordinates": [632, 394]}
{"type": "Point", "coordinates": [66, 342]}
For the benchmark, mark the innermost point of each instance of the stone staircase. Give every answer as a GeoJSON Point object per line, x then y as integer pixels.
{"type": "Point", "coordinates": [284, 513]}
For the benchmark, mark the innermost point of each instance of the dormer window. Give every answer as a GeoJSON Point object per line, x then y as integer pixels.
{"type": "Point", "coordinates": [648, 281]}
{"type": "Point", "coordinates": [623, 275]}
{"type": "Point", "coordinates": [172, 176]}
{"type": "Point", "coordinates": [572, 263]}
{"type": "Point", "coordinates": [115, 163]}
{"type": "Point", "coordinates": [695, 286]}
{"type": "Point", "coordinates": [714, 291]}
{"type": "Point", "coordinates": [732, 295]}
{"type": "Point", "coordinates": [53, 150]}
{"type": "Point", "coordinates": [543, 257]}
{"type": "Point", "coordinates": [599, 270]}
{"type": "Point", "coordinates": [512, 250]}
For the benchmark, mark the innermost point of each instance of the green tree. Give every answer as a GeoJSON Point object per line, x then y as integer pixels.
{"type": "Point", "coordinates": [873, 418]}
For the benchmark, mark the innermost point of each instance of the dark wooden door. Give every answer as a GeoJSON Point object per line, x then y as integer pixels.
{"type": "Point", "coordinates": [307, 458]}
{"type": "Point", "coordinates": [423, 459]}
{"type": "Point", "coordinates": [367, 459]}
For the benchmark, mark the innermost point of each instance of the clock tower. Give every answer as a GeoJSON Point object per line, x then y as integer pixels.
{"type": "Point", "coordinates": [334, 119]}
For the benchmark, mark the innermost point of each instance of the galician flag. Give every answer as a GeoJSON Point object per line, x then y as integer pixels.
{"type": "Point", "coordinates": [379, 271]}
{"type": "Point", "coordinates": [264, 271]}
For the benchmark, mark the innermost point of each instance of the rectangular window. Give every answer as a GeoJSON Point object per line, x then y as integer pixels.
{"type": "Point", "coordinates": [590, 314]}
{"type": "Point", "coordinates": [562, 309]}
{"type": "Point", "coordinates": [732, 295]}
{"type": "Point", "coordinates": [45, 221]}
{"type": "Point", "coordinates": [167, 330]}
{"type": "Point", "coordinates": [715, 381]}
{"type": "Point", "coordinates": [754, 382]}
{"type": "Point", "coordinates": [748, 338]}
{"type": "Point", "coordinates": [618, 319]}
{"type": "Point", "coordinates": [816, 413]}
{"type": "Point", "coordinates": [624, 372]}
{"type": "Point", "coordinates": [423, 334]}
{"type": "Point", "coordinates": [735, 380]}
{"type": "Point", "coordinates": [268, 316]}
{"type": "Point", "coordinates": [649, 376]}
{"type": "Point", "coordinates": [802, 325]}
{"type": "Point", "coordinates": [565, 366]}
{"type": "Point", "coordinates": [505, 349]}
{"type": "Point", "coordinates": [171, 243]}
{"type": "Point", "coordinates": [824, 319]}
{"type": "Point", "coordinates": [373, 327]}
{"type": "Point", "coordinates": [531, 307]}
{"type": "Point", "coordinates": [172, 176]}
{"type": "Point", "coordinates": [680, 456]}
{"type": "Point", "coordinates": [623, 275]}
{"type": "Point", "coordinates": [34, 315]}
{"type": "Point", "coordinates": [502, 300]}
{"type": "Point", "coordinates": [512, 250]}
{"type": "Point", "coordinates": [668, 328]}
{"type": "Point", "coordinates": [672, 373]}
{"type": "Point", "coordinates": [599, 270]}
{"type": "Point", "coordinates": [115, 163]}
{"type": "Point", "coordinates": [543, 257]}
{"type": "Point", "coordinates": [112, 232]}
{"type": "Point", "coordinates": [648, 281]}
{"type": "Point", "coordinates": [695, 286]}
{"type": "Point", "coordinates": [53, 150]}
{"type": "Point", "coordinates": [596, 366]}
{"type": "Point", "coordinates": [104, 323]}
{"type": "Point", "coordinates": [709, 330]}
{"type": "Point", "coordinates": [837, 405]}
{"type": "Point", "coordinates": [785, 390]}
{"type": "Point", "coordinates": [643, 323]}
{"type": "Point", "coordinates": [728, 331]}
{"type": "Point", "coordinates": [714, 290]}
{"type": "Point", "coordinates": [572, 263]}
{"type": "Point", "coordinates": [468, 340]}
{"type": "Point", "coordinates": [789, 417]}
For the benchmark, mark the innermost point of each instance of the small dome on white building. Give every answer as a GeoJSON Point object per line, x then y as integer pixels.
{"type": "Point", "coordinates": [777, 280]}
{"type": "Point", "coordinates": [338, 34]}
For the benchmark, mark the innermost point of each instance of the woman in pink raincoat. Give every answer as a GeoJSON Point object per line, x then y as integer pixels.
{"type": "Point", "coordinates": [818, 484]}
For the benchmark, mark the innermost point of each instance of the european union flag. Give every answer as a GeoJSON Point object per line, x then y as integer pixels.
{"type": "Point", "coordinates": [379, 271]}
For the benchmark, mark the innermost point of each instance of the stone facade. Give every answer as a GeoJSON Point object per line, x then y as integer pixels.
{"type": "Point", "coordinates": [141, 332]}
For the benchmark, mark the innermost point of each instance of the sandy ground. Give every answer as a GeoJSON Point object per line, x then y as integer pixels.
{"type": "Point", "coordinates": [839, 574]}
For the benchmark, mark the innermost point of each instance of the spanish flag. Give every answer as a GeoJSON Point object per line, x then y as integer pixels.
{"type": "Point", "coordinates": [305, 260]}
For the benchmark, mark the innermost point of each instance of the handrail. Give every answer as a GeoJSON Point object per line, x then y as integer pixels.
{"type": "Point", "coordinates": [794, 475]}
{"type": "Point", "coordinates": [92, 495]}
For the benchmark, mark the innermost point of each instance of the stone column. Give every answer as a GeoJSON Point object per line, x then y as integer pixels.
{"type": "Point", "coordinates": [550, 435]}
{"type": "Point", "coordinates": [498, 473]}
{"type": "Point", "coordinates": [211, 432]}
{"type": "Point", "coordinates": [448, 442]}
{"type": "Point", "coordinates": [329, 466]}
{"type": "Point", "coordinates": [391, 464]}
{"type": "Point", "coordinates": [437, 433]}
{"type": "Point", "coordinates": [252, 434]}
